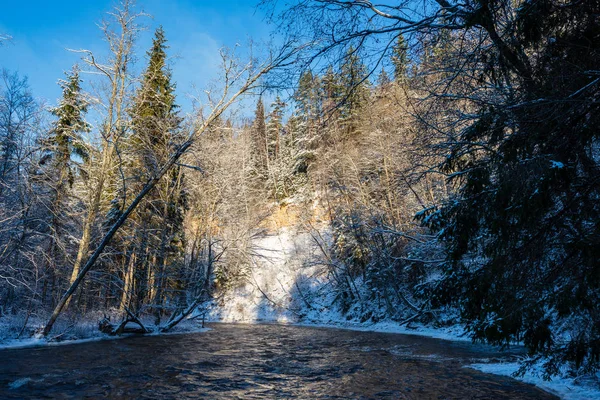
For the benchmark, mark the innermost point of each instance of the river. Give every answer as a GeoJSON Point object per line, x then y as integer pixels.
{"type": "Point", "coordinates": [257, 362]}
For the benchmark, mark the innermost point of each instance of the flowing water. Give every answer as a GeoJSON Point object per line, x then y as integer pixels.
{"type": "Point", "coordinates": [256, 362]}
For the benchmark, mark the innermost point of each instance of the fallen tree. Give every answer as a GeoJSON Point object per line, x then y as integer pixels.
{"type": "Point", "coordinates": [232, 75]}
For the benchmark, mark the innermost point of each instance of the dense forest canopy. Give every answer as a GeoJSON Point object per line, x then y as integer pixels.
{"type": "Point", "coordinates": [451, 150]}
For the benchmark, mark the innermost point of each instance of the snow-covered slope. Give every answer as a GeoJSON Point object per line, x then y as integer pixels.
{"type": "Point", "coordinates": [281, 283]}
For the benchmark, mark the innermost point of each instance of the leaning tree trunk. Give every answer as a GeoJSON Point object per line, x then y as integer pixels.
{"type": "Point", "coordinates": [109, 235]}
{"type": "Point", "coordinates": [231, 75]}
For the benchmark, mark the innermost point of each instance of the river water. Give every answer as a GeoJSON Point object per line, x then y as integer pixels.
{"type": "Point", "coordinates": [256, 362]}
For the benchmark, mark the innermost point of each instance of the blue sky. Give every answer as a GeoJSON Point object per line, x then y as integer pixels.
{"type": "Point", "coordinates": [43, 30]}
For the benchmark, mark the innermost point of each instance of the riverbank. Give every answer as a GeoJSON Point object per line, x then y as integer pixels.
{"type": "Point", "coordinates": [567, 388]}
{"type": "Point", "coordinates": [82, 331]}
{"type": "Point", "coordinates": [286, 285]}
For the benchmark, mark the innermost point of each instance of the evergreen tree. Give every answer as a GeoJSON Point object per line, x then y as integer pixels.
{"type": "Point", "coordinates": [383, 80]}
{"type": "Point", "coordinates": [259, 141]}
{"type": "Point", "coordinates": [63, 151]}
{"type": "Point", "coordinates": [331, 93]}
{"type": "Point", "coordinates": [155, 126]}
{"type": "Point", "coordinates": [523, 231]}
{"type": "Point", "coordinates": [400, 59]}
{"type": "Point", "coordinates": [274, 128]}
{"type": "Point", "coordinates": [307, 96]}
{"type": "Point", "coordinates": [305, 121]}
{"type": "Point", "coordinates": [353, 81]}
{"type": "Point", "coordinates": [64, 141]}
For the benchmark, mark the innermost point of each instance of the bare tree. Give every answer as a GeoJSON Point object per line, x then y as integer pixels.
{"type": "Point", "coordinates": [237, 81]}
{"type": "Point", "coordinates": [116, 73]}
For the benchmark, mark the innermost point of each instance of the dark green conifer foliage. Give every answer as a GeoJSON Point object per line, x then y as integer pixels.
{"type": "Point", "coordinates": [355, 86]}
{"type": "Point", "coordinates": [306, 95]}
{"type": "Point", "coordinates": [383, 80]}
{"type": "Point", "coordinates": [400, 59]}
{"type": "Point", "coordinates": [259, 141]}
{"type": "Point", "coordinates": [274, 129]}
{"type": "Point", "coordinates": [303, 129]}
{"type": "Point", "coordinates": [155, 120]}
{"type": "Point", "coordinates": [63, 152]}
{"type": "Point", "coordinates": [156, 131]}
{"type": "Point", "coordinates": [64, 141]}
{"type": "Point", "coordinates": [528, 173]}
{"type": "Point", "coordinates": [331, 90]}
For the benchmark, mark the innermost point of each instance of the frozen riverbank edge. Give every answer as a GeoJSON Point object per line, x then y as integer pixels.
{"type": "Point", "coordinates": [93, 336]}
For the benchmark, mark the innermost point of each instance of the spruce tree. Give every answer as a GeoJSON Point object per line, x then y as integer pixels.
{"type": "Point", "coordinates": [400, 59]}
{"type": "Point", "coordinates": [274, 128]}
{"type": "Point", "coordinates": [355, 85]}
{"type": "Point", "coordinates": [155, 133]}
{"type": "Point", "coordinates": [63, 152]}
{"type": "Point", "coordinates": [331, 93]}
{"type": "Point", "coordinates": [523, 232]}
{"type": "Point", "coordinates": [303, 126]}
{"type": "Point", "coordinates": [64, 141]}
{"type": "Point", "coordinates": [259, 144]}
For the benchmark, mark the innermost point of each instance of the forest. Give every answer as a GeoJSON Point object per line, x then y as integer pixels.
{"type": "Point", "coordinates": [444, 157]}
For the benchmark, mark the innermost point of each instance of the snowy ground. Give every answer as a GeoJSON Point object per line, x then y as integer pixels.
{"type": "Point", "coordinates": [80, 332]}
{"type": "Point", "coordinates": [286, 285]}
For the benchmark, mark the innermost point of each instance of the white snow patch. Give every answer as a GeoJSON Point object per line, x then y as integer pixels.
{"type": "Point", "coordinates": [271, 291]}
{"type": "Point", "coordinates": [94, 335]}
{"type": "Point", "coordinates": [565, 388]}
{"type": "Point", "coordinates": [557, 164]}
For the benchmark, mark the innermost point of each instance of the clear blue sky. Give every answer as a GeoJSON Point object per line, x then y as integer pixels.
{"type": "Point", "coordinates": [196, 29]}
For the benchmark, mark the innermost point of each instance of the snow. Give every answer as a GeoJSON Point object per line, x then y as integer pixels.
{"type": "Point", "coordinates": [271, 291]}
{"type": "Point", "coordinates": [565, 388]}
{"type": "Point", "coordinates": [287, 285]}
{"type": "Point", "coordinates": [85, 332]}
{"type": "Point", "coordinates": [557, 164]}
{"type": "Point", "coordinates": [454, 333]}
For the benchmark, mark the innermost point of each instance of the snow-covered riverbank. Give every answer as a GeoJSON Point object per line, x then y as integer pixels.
{"type": "Point", "coordinates": [81, 332]}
